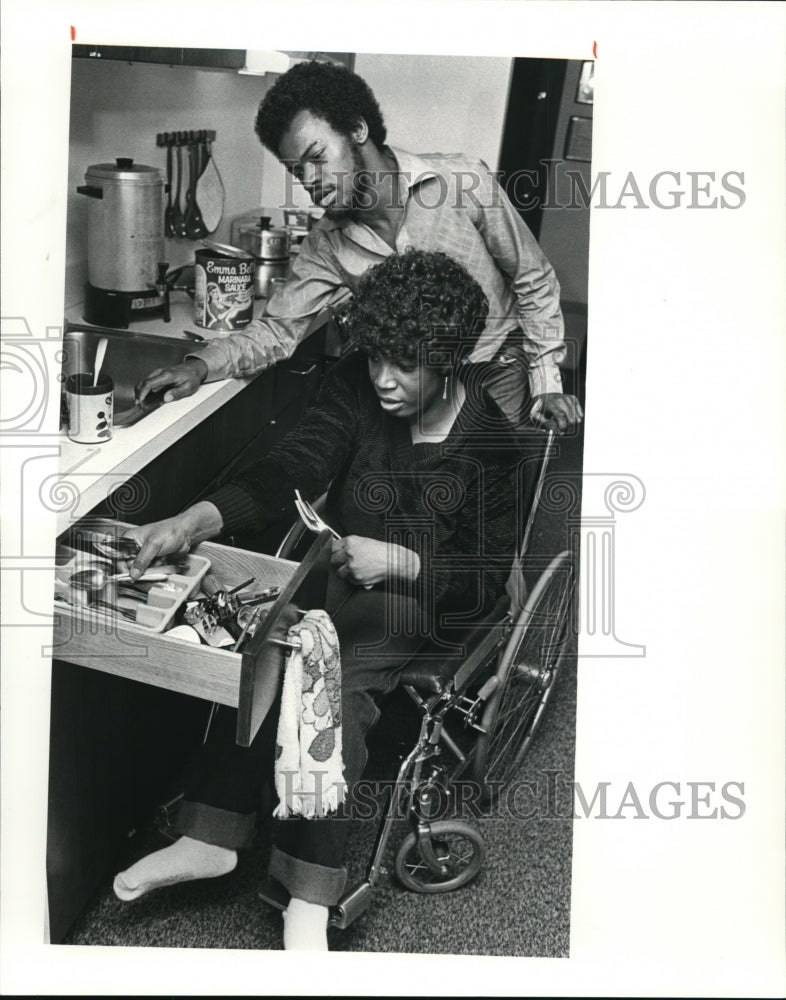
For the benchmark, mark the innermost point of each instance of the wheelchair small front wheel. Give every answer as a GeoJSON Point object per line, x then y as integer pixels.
{"type": "Point", "coordinates": [458, 849]}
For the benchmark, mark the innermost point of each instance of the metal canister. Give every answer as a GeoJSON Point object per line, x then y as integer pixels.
{"type": "Point", "coordinates": [223, 288]}
{"type": "Point", "coordinates": [263, 241]}
{"type": "Point", "coordinates": [125, 225]}
{"type": "Point", "coordinates": [270, 248]}
{"type": "Point", "coordinates": [265, 273]}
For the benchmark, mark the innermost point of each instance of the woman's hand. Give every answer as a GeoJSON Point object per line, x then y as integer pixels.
{"type": "Point", "coordinates": [366, 561]}
{"type": "Point", "coordinates": [174, 535]}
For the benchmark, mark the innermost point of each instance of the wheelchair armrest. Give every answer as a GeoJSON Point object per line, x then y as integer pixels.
{"type": "Point", "coordinates": [430, 673]}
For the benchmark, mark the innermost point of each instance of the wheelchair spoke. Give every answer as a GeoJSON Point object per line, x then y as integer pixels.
{"type": "Point", "coordinates": [540, 638]}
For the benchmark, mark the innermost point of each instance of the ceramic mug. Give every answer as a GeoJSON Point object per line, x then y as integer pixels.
{"type": "Point", "coordinates": [89, 408]}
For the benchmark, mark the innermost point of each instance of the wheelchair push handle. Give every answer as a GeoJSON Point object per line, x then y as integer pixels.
{"type": "Point", "coordinates": [549, 446]}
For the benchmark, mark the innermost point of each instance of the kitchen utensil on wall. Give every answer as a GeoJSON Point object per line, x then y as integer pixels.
{"type": "Point", "coordinates": [193, 223]}
{"type": "Point", "coordinates": [178, 220]}
{"type": "Point", "coordinates": [195, 208]}
{"type": "Point", "coordinates": [169, 229]}
{"type": "Point", "coordinates": [210, 189]}
{"type": "Point", "coordinates": [125, 240]}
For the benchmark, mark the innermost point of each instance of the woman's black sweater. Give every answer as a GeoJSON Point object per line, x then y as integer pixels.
{"type": "Point", "coordinates": [456, 502]}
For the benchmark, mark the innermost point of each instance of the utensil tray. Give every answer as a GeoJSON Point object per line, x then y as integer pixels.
{"type": "Point", "coordinates": [247, 680]}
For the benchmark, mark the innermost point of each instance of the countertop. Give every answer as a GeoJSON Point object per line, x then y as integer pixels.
{"type": "Point", "coordinates": [91, 473]}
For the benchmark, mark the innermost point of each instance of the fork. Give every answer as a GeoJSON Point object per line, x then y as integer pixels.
{"type": "Point", "coordinates": [310, 518]}
{"type": "Point", "coordinates": [314, 522]}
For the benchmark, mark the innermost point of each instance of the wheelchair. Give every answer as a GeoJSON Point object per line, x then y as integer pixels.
{"type": "Point", "coordinates": [478, 717]}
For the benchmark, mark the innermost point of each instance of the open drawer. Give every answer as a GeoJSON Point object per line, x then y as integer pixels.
{"type": "Point", "coordinates": [247, 680]}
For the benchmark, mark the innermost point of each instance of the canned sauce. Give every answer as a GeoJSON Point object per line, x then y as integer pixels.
{"type": "Point", "coordinates": [223, 290]}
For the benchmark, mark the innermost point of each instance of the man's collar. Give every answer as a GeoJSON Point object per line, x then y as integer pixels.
{"type": "Point", "coordinates": [412, 169]}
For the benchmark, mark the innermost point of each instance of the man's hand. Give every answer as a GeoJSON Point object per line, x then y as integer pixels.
{"type": "Point", "coordinates": [556, 412]}
{"type": "Point", "coordinates": [366, 561]}
{"type": "Point", "coordinates": [178, 381]}
{"type": "Point", "coordinates": [174, 535]}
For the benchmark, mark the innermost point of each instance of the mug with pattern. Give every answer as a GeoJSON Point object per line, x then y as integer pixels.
{"type": "Point", "coordinates": [89, 408]}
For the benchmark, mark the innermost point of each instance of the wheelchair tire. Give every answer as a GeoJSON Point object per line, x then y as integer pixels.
{"type": "Point", "coordinates": [527, 673]}
{"type": "Point", "coordinates": [457, 846]}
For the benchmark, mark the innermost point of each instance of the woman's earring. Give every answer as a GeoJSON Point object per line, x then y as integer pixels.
{"type": "Point", "coordinates": [445, 388]}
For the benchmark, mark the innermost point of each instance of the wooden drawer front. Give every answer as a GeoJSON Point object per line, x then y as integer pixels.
{"type": "Point", "coordinates": [132, 651]}
{"type": "Point", "coordinates": [248, 681]}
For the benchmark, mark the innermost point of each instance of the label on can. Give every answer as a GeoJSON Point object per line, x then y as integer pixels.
{"type": "Point", "coordinates": [223, 290]}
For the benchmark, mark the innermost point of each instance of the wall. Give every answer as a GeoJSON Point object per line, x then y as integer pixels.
{"type": "Point", "coordinates": [117, 109]}
{"type": "Point", "coordinates": [441, 104]}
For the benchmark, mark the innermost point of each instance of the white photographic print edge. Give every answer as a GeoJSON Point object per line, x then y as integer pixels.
{"type": "Point", "coordinates": [684, 392]}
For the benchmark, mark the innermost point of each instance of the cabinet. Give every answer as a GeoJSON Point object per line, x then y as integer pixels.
{"type": "Point", "coordinates": [116, 751]}
{"type": "Point", "coordinates": [130, 705]}
{"type": "Point", "coordinates": [190, 467]}
{"type": "Point", "coordinates": [210, 58]}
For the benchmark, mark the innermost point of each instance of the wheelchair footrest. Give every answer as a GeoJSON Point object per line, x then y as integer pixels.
{"type": "Point", "coordinates": [348, 908]}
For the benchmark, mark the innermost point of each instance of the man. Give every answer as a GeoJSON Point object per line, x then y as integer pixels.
{"type": "Point", "coordinates": [325, 125]}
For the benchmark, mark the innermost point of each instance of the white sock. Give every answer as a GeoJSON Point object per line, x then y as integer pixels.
{"type": "Point", "coordinates": [183, 861]}
{"type": "Point", "coordinates": [305, 926]}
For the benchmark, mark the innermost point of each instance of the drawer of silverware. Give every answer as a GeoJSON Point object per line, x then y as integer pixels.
{"type": "Point", "coordinates": [243, 673]}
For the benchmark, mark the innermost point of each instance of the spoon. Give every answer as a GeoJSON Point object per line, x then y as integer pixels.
{"type": "Point", "coordinates": [100, 352]}
{"type": "Point", "coordinates": [97, 578]}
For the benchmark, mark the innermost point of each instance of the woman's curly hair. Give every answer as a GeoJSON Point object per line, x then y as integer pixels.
{"type": "Point", "coordinates": [417, 308]}
{"type": "Point", "coordinates": [327, 90]}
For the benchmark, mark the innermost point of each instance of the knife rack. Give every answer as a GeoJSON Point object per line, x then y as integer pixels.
{"type": "Point", "coordinates": [188, 155]}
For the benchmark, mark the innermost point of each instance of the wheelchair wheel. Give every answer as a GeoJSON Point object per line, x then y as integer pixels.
{"type": "Point", "coordinates": [527, 673]}
{"type": "Point", "coordinates": [457, 847]}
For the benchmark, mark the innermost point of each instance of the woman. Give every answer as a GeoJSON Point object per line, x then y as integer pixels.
{"type": "Point", "coordinates": [421, 471]}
